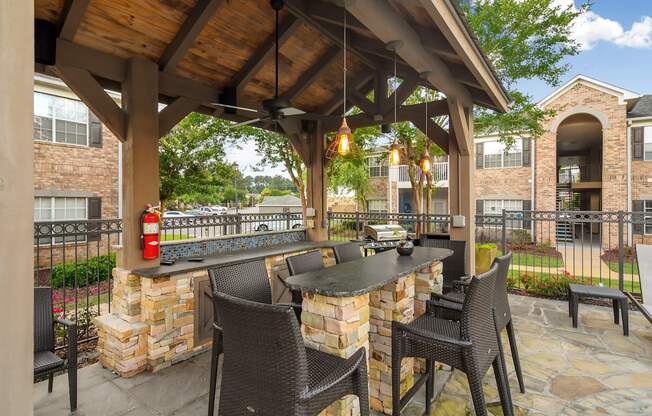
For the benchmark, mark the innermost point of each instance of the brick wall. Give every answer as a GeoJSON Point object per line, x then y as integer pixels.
{"type": "Point", "coordinates": [506, 183]}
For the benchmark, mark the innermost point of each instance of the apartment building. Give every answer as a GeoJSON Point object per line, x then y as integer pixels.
{"type": "Point", "coordinates": [76, 166]}
{"type": "Point", "coordinates": [595, 155]}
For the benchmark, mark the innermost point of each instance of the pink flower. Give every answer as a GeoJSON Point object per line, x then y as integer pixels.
{"type": "Point", "coordinates": [57, 309]}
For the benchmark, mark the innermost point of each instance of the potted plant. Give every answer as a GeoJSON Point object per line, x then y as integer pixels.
{"type": "Point", "coordinates": [485, 253]}
{"type": "Point", "coordinates": [405, 246]}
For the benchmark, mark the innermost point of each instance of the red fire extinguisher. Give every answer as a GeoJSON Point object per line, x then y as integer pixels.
{"type": "Point", "coordinates": [150, 220]}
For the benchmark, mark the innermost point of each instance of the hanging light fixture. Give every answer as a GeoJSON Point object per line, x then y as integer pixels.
{"type": "Point", "coordinates": [395, 147]}
{"type": "Point", "coordinates": [344, 135]}
{"type": "Point", "coordinates": [425, 163]}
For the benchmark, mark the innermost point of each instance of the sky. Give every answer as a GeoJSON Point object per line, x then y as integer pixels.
{"type": "Point", "coordinates": [616, 47]}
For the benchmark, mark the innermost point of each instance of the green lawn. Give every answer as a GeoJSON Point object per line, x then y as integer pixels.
{"type": "Point", "coordinates": [81, 302]}
{"type": "Point", "coordinates": [629, 286]}
{"type": "Point", "coordinates": [630, 268]}
{"type": "Point", "coordinates": [171, 237]}
{"type": "Point", "coordinates": [535, 260]}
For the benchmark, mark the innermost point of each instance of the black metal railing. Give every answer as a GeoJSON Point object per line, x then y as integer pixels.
{"type": "Point", "coordinates": [350, 225]}
{"type": "Point", "coordinates": [76, 258]}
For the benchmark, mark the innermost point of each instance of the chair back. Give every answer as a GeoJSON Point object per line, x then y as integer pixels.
{"type": "Point", "coordinates": [265, 367]}
{"type": "Point", "coordinates": [477, 323]}
{"type": "Point", "coordinates": [454, 266]}
{"type": "Point", "coordinates": [503, 313]}
{"type": "Point", "coordinates": [242, 280]}
{"type": "Point", "coordinates": [303, 263]}
{"type": "Point", "coordinates": [43, 321]}
{"type": "Point", "coordinates": [347, 252]}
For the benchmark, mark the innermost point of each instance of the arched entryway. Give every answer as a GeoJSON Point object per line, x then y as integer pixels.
{"type": "Point", "coordinates": [579, 167]}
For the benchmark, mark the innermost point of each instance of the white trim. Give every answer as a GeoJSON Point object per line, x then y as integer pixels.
{"type": "Point", "coordinates": [579, 109]}
{"type": "Point", "coordinates": [622, 94]}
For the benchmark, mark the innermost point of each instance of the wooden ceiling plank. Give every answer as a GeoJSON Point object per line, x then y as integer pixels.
{"type": "Point", "coordinates": [185, 38]}
{"type": "Point", "coordinates": [82, 83]}
{"type": "Point", "coordinates": [314, 72]}
{"type": "Point", "coordinates": [265, 51]}
{"type": "Point", "coordinates": [71, 17]}
{"type": "Point", "coordinates": [175, 112]}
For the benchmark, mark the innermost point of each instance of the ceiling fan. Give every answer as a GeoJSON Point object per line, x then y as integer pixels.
{"type": "Point", "coordinates": [277, 108]}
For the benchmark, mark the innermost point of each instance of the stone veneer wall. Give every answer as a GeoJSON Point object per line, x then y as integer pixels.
{"type": "Point", "coordinates": [208, 246]}
{"type": "Point", "coordinates": [152, 324]}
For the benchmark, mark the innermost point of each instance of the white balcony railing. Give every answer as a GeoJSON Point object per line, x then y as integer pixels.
{"type": "Point", "coordinates": [439, 172]}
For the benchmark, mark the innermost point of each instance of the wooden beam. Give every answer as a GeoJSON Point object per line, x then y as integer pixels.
{"type": "Point", "coordinates": [184, 39]}
{"type": "Point", "coordinates": [361, 101]}
{"type": "Point", "coordinates": [307, 78]}
{"type": "Point", "coordinates": [173, 113]}
{"type": "Point", "coordinates": [73, 12]}
{"type": "Point", "coordinates": [436, 133]}
{"type": "Point", "coordinates": [265, 51]}
{"type": "Point", "coordinates": [402, 92]}
{"type": "Point", "coordinates": [82, 83]}
{"type": "Point", "coordinates": [380, 90]}
{"type": "Point", "coordinates": [336, 101]}
{"type": "Point", "coordinates": [458, 120]}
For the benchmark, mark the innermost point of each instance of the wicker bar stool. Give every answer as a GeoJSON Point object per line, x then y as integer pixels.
{"type": "Point", "coordinates": [243, 280]}
{"type": "Point", "coordinates": [268, 370]}
{"type": "Point", "coordinates": [303, 263]}
{"type": "Point", "coordinates": [454, 267]}
{"type": "Point", "coordinates": [347, 252]}
{"type": "Point", "coordinates": [470, 345]}
{"type": "Point", "coordinates": [450, 307]}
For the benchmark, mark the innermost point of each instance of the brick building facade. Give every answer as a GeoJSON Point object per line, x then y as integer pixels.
{"type": "Point", "coordinates": [76, 169]}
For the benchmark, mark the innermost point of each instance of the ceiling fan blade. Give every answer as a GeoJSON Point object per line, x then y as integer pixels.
{"type": "Point", "coordinates": [236, 107]}
{"type": "Point", "coordinates": [291, 111]}
{"type": "Point", "coordinates": [244, 123]}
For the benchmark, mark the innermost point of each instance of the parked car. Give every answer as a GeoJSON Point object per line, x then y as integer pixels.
{"type": "Point", "coordinates": [174, 214]}
{"type": "Point", "coordinates": [220, 209]}
{"type": "Point", "coordinates": [212, 210]}
{"type": "Point", "coordinates": [275, 223]}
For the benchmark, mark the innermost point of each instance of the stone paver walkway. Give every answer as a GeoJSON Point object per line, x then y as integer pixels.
{"type": "Point", "coordinates": [591, 370]}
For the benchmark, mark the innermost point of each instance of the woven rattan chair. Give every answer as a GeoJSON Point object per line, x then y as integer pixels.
{"type": "Point", "coordinates": [303, 263]}
{"type": "Point", "coordinates": [268, 370]}
{"type": "Point", "coordinates": [470, 345]}
{"type": "Point", "coordinates": [46, 362]}
{"type": "Point", "coordinates": [454, 267]}
{"type": "Point", "coordinates": [451, 308]}
{"type": "Point", "coordinates": [243, 280]}
{"type": "Point", "coordinates": [347, 252]}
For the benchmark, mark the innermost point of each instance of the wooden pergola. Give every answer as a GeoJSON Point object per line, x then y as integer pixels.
{"type": "Point", "coordinates": [194, 55]}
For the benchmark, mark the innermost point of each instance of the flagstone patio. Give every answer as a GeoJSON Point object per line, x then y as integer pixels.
{"type": "Point", "coordinates": [590, 370]}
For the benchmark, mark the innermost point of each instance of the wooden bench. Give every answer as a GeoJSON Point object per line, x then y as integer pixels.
{"type": "Point", "coordinates": [644, 261]}
{"type": "Point", "coordinates": [618, 299]}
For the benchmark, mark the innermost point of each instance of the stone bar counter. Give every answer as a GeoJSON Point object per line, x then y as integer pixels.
{"type": "Point", "coordinates": [163, 315]}
{"type": "Point", "coordinates": [352, 305]}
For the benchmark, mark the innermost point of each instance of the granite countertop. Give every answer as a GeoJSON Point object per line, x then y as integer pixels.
{"type": "Point", "coordinates": [361, 276]}
{"type": "Point", "coordinates": [239, 256]}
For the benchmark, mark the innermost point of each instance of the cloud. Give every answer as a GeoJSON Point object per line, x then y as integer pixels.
{"type": "Point", "coordinates": [590, 29]}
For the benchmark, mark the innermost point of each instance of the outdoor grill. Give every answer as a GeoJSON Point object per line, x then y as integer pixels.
{"type": "Point", "coordinates": [383, 237]}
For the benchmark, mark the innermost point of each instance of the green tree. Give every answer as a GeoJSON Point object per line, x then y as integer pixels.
{"type": "Point", "coordinates": [523, 39]}
{"type": "Point", "coordinates": [192, 161]}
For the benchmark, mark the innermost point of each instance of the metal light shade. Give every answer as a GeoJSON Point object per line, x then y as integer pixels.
{"type": "Point", "coordinates": [344, 138]}
{"type": "Point", "coordinates": [425, 164]}
{"type": "Point", "coordinates": [394, 154]}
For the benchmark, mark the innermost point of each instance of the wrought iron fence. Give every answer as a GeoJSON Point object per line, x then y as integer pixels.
{"type": "Point", "coordinates": [552, 248]}
{"type": "Point", "coordinates": [350, 225]}
{"type": "Point", "coordinates": [76, 258]}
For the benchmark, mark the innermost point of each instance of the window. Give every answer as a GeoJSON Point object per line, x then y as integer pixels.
{"type": "Point", "coordinates": [60, 120]}
{"type": "Point", "coordinates": [647, 142]}
{"type": "Point", "coordinates": [496, 207]}
{"type": "Point", "coordinates": [648, 217]}
{"type": "Point", "coordinates": [496, 156]}
{"type": "Point", "coordinates": [60, 209]}
{"type": "Point", "coordinates": [377, 167]}
{"type": "Point", "coordinates": [377, 205]}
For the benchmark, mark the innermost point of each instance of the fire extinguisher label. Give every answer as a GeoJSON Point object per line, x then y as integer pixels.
{"type": "Point", "coordinates": [150, 228]}
{"type": "Point", "coordinates": [153, 243]}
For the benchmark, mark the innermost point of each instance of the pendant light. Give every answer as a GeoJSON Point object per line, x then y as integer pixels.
{"type": "Point", "coordinates": [425, 163]}
{"type": "Point", "coordinates": [344, 135]}
{"type": "Point", "coordinates": [394, 148]}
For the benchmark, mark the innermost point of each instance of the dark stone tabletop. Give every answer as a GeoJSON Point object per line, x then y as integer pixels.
{"type": "Point", "coordinates": [361, 276]}
{"type": "Point", "coordinates": [239, 256]}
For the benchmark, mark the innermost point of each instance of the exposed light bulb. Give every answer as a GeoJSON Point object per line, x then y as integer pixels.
{"type": "Point", "coordinates": [394, 154]}
{"type": "Point", "coordinates": [344, 138]}
{"type": "Point", "coordinates": [425, 164]}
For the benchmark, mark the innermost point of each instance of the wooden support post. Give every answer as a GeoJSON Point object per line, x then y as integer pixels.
{"type": "Point", "coordinates": [140, 156]}
{"type": "Point", "coordinates": [17, 196]}
{"type": "Point", "coordinates": [461, 184]}
{"type": "Point", "coordinates": [317, 184]}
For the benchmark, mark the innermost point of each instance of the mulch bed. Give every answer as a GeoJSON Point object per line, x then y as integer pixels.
{"type": "Point", "coordinates": [534, 249]}
{"type": "Point", "coordinates": [585, 300]}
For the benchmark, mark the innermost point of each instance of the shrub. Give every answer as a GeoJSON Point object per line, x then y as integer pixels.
{"type": "Point", "coordinates": [485, 245]}
{"type": "Point", "coordinates": [85, 272]}
{"type": "Point", "coordinates": [553, 286]}
{"type": "Point", "coordinates": [521, 237]}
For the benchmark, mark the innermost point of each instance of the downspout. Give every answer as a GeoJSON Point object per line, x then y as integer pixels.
{"type": "Point", "coordinates": [629, 179]}
{"type": "Point", "coordinates": [533, 185]}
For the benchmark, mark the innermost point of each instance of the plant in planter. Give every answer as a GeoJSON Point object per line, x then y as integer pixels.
{"type": "Point", "coordinates": [405, 246]}
{"type": "Point", "coordinates": [484, 256]}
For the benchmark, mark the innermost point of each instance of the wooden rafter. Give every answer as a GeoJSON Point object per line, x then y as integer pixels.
{"type": "Point", "coordinates": [336, 102]}
{"type": "Point", "coordinates": [174, 112]}
{"type": "Point", "coordinates": [459, 121]}
{"type": "Point", "coordinates": [188, 33]}
{"type": "Point", "coordinates": [82, 83]}
{"type": "Point", "coordinates": [403, 91]}
{"type": "Point", "coordinates": [264, 52]}
{"type": "Point", "coordinates": [313, 73]}
{"type": "Point", "coordinates": [436, 133]}
{"type": "Point", "coordinates": [73, 12]}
